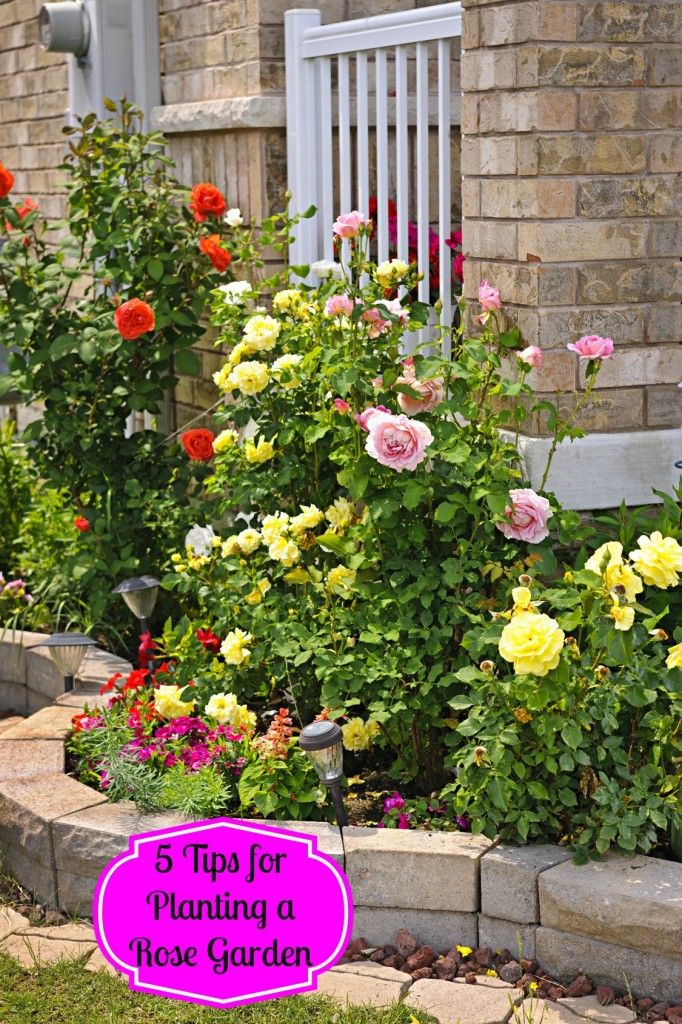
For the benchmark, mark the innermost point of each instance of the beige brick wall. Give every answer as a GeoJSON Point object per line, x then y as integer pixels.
{"type": "Point", "coordinates": [33, 104]}
{"type": "Point", "coordinates": [571, 158]}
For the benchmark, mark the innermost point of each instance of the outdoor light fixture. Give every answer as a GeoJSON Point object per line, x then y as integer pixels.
{"type": "Point", "coordinates": [140, 593]}
{"type": "Point", "coordinates": [64, 27]}
{"type": "Point", "coordinates": [68, 651]}
{"type": "Point", "coordinates": [322, 743]}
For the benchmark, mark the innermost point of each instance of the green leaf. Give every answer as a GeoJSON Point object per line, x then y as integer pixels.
{"type": "Point", "coordinates": [332, 542]}
{"type": "Point", "coordinates": [187, 362]}
{"type": "Point", "coordinates": [413, 494]}
{"type": "Point", "coordinates": [444, 512]}
{"type": "Point", "coordinates": [571, 735]}
{"type": "Point", "coordinates": [155, 269]}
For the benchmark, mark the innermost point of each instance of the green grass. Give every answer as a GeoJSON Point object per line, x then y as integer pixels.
{"type": "Point", "coordinates": [64, 993]}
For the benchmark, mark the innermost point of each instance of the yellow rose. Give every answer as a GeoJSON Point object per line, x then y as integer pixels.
{"type": "Point", "coordinates": [310, 517]}
{"type": "Point", "coordinates": [293, 302]}
{"type": "Point", "coordinates": [340, 579]}
{"type": "Point", "coordinates": [623, 616]}
{"type": "Point", "coordinates": [340, 514]}
{"type": "Point", "coordinates": [234, 647]}
{"type": "Point", "coordinates": [533, 642]}
{"type": "Point", "coordinates": [262, 451]}
{"type": "Point", "coordinates": [248, 540]}
{"type": "Point", "coordinates": [222, 707]}
{"type": "Point", "coordinates": [390, 273]}
{"type": "Point", "coordinates": [284, 551]}
{"type": "Point", "coordinates": [283, 369]}
{"type": "Point", "coordinates": [168, 704]}
{"type": "Point", "coordinates": [521, 597]}
{"type": "Point", "coordinates": [658, 560]}
{"type": "Point", "coordinates": [230, 546]}
{"type": "Point", "coordinates": [256, 595]}
{"type": "Point", "coordinates": [262, 331]}
{"type": "Point", "coordinates": [359, 736]}
{"type": "Point", "coordinates": [243, 719]}
{"type": "Point", "coordinates": [274, 526]}
{"type": "Point", "coordinates": [250, 378]}
{"type": "Point", "coordinates": [225, 440]}
{"type": "Point", "coordinates": [221, 378]}
{"type": "Point", "coordinates": [674, 659]}
{"type": "Point", "coordinates": [616, 572]}
{"type": "Point", "coordinates": [239, 352]}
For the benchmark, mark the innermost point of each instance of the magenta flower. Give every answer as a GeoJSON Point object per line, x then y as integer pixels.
{"type": "Point", "coordinates": [395, 802]}
{"type": "Point", "coordinates": [591, 346]}
{"type": "Point", "coordinates": [404, 821]}
{"type": "Point", "coordinates": [526, 517]}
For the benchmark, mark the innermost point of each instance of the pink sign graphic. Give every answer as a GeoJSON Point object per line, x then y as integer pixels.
{"type": "Point", "coordinates": [223, 912]}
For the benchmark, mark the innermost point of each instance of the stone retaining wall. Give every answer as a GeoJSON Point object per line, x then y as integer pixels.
{"type": "Point", "coordinates": [617, 919]}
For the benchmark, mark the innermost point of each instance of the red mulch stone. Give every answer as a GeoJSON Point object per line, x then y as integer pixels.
{"type": "Point", "coordinates": [605, 995]}
{"type": "Point", "coordinates": [422, 972]}
{"type": "Point", "coordinates": [582, 986]}
{"type": "Point", "coordinates": [406, 942]}
{"type": "Point", "coordinates": [423, 957]}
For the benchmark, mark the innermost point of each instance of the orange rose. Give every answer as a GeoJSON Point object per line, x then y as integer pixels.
{"type": "Point", "coordinates": [220, 258]}
{"type": "Point", "coordinates": [134, 318]}
{"type": "Point", "coordinates": [198, 444]}
{"type": "Point", "coordinates": [207, 199]}
{"type": "Point", "coordinates": [28, 206]}
{"type": "Point", "coordinates": [6, 181]}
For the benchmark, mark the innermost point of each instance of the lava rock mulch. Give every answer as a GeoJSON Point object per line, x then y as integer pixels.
{"type": "Point", "coordinates": [462, 962]}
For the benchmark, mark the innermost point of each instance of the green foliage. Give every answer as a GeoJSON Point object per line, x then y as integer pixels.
{"type": "Point", "coordinates": [16, 494]}
{"type": "Point", "coordinates": [281, 788]}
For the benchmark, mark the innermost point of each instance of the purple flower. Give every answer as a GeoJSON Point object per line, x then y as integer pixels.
{"type": "Point", "coordinates": [404, 821]}
{"type": "Point", "coordinates": [196, 757]}
{"type": "Point", "coordinates": [104, 780]}
{"type": "Point", "coordinates": [393, 803]}
{"type": "Point", "coordinates": [463, 822]}
{"type": "Point", "coordinates": [170, 760]}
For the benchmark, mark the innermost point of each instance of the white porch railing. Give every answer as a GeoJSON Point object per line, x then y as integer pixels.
{"type": "Point", "coordinates": [410, 54]}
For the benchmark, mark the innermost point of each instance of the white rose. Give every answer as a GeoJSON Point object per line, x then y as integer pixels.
{"type": "Point", "coordinates": [233, 218]}
{"type": "Point", "coordinates": [200, 540]}
{"type": "Point", "coordinates": [327, 268]}
{"type": "Point", "coordinates": [235, 292]}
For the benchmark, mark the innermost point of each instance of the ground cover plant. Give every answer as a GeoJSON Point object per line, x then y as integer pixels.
{"type": "Point", "coordinates": [376, 556]}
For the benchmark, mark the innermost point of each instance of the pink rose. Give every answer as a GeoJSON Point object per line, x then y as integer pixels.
{"type": "Point", "coordinates": [363, 418]}
{"type": "Point", "coordinates": [396, 309]}
{"type": "Point", "coordinates": [377, 325]}
{"type": "Point", "coordinates": [347, 225]}
{"type": "Point", "coordinates": [526, 517]}
{"type": "Point", "coordinates": [341, 406]}
{"type": "Point", "coordinates": [592, 347]}
{"type": "Point", "coordinates": [432, 391]}
{"type": "Point", "coordinates": [489, 297]}
{"type": "Point", "coordinates": [396, 441]}
{"type": "Point", "coordinates": [338, 305]}
{"type": "Point", "coordinates": [531, 356]}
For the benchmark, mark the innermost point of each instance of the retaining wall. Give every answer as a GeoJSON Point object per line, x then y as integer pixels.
{"type": "Point", "coordinates": [617, 919]}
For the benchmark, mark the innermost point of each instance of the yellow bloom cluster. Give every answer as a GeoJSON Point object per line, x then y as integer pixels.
{"type": "Point", "coordinates": [522, 598]}
{"type": "Point", "coordinates": [674, 659]}
{"type": "Point", "coordinates": [225, 709]}
{"type": "Point", "coordinates": [234, 647]}
{"type": "Point", "coordinates": [658, 560]}
{"type": "Point", "coordinates": [533, 642]}
{"type": "Point", "coordinates": [262, 331]}
{"type": "Point", "coordinates": [359, 735]}
{"type": "Point", "coordinates": [390, 273]}
{"type": "Point", "coordinates": [293, 302]}
{"type": "Point", "coordinates": [341, 580]}
{"type": "Point", "coordinates": [256, 595]}
{"type": "Point", "coordinates": [623, 615]}
{"type": "Point", "coordinates": [168, 704]}
{"type": "Point", "coordinates": [284, 551]}
{"type": "Point", "coordinates": [258, 452]}
{"type": "Point", "coordinates": [340, 514]}
{"type": "Point", "coordinates": [225, 440]}
{"type": "Point", "coordinates": [274, 526]}
{"type": "Point", "coordinates": [250, 378]}
{"type": "Point", "coordinates": [310, 516]}
{"type": "Point", "coordinates": [283, 370]}
{"type": "Point", "coordinates": [608, 562]}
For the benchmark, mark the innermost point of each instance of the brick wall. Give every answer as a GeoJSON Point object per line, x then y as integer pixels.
{"type": "Point", "coordinates": [572, 200]}
{"type": "Point", "coordinates": [33, 104]}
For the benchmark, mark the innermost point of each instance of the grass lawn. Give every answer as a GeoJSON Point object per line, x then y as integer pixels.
{"type": "Point", "coordinates": [64, 993]}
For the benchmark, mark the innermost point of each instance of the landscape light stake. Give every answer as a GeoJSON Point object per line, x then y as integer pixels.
{"type": "Point", "coordinates": [68, 651]}
{"type": "Point", "coordinates": [140, 593]}
{"type": "Point", "coordinates": [322, 742]}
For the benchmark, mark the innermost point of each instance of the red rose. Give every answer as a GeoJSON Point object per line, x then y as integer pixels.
{"type": "Point", "coordinates": [220, 258]}
{"type": "Point", "coordinates": [28, 206]}
{"type": "Point", "coordinates": [458, 266]}
{"type": "Point", "coordinates": [208, 640]}
{"type": "Point", "coordinates": [6, 181]}
{"type": "Point", "coordinates": [207, 199]}
{"type": "Point", "coordinates": [198, 444]}
{"type": "Point", "coordinates": [81, 524]}
{"type": "Point", "coordinates": [134, 318]}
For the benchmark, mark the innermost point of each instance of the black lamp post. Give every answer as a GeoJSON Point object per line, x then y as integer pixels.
{"type": "Point", "coordinates": [140, 593]}
{"type": "Point", "coordinates": [322, 742]}
{"type": "Point", "coordinates": [68, 651]}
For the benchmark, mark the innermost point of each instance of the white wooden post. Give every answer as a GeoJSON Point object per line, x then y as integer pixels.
{"type": "Point", "coordinates": [302, 121]}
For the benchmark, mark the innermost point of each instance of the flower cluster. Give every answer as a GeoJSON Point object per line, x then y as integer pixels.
{"type": "Point", "coordinates": [14, 591]}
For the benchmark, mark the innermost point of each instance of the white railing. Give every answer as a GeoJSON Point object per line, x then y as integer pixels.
{"type": "Point", "coordinates": [403, 50]}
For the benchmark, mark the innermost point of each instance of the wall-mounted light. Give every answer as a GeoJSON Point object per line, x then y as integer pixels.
{"type": "Point", "coordinates": [322, 742]}
{"type": "Point", "coordinates": [64, 27]}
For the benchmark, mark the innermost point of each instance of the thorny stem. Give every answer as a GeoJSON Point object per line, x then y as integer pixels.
{"type": "Point", "coordinates": [579, 405]}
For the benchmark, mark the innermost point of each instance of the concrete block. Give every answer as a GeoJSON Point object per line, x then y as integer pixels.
{"type": "Point", "coordinates": [51, 723]}
{"type": "Point", "coordinates": [461, 1004]}
{"type": "Point", "coordinates": [436, 928]}
{"type": "Point", "coordinates": [499, 934]}
{"type": "Point", "coordinates": [35, 876]}
{"type": "Point", "coordinates": [358, 990]}
{"type": "Point", "coordinates": [509, 880]}
{"type": "Point", "coordinates": [563, 953]}
{"type": "Point", "coordinates": [443, 869]}
{"type": "Point", "coordinates": [13, 697]}
{"type": "Point", "coordinates": [634, 901]}
{"type": "Point", "coordinates": [25, 758]}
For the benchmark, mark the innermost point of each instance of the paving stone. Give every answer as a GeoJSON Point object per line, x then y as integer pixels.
{"type": "Point", "coordinates": [634, 901]}
{"type": "Point", "coordinates": [372, 970]}
{"type": "Point", "coordinates": [590, 1008]}
{"type": "Point", "coordinates": [32, 951]}
{"type": "Point", "coordinates": [9, 723]}
{"type": "Point", "coordinates": [562, 953]}
{"type": "Point", "coordinates": [98, 963]}
{"type": "Point", "coordinates": [546, 1011]}
{"type": "Point", "coordinates": [461, 1004]}
{"type": "Point", "coordinates": [501, 934]}
{"type": "Point", "coordinates": [435, 928]}
{"type": "Point", "coordinates": [355, 990]}
{"type": "Point", "coordinates": [509, 879]}
{"type": "Point", "coordinates": [71, 932]}
{"type": "Point", "coordinates": [53, 723]}
{"type": "Point", "coordinates": [11, 921]}
{"type": "Point", "coordinates": [486, 980]}
{"type": "Point", "coordinates": [21, 758]}
{"type": "Point", "coordinates": [443, 869]}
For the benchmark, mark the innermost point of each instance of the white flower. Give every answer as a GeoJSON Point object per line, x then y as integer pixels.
{"type": "Point", "coordinates": [233, 218]}
{"type": "Point", "coordinates": [327, 268]}
{"type": "Point", "coordinates": [235, 292]}
{"type": "Point", "coordinates": [200, 540]}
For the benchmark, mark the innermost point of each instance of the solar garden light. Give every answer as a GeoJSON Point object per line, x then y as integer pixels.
{"type": "Point", "coordinates": [140, 593]}
{"type": "Point", "coordinates": [68, 651]}
{"type": "Point", "coordinates": [322, 743]}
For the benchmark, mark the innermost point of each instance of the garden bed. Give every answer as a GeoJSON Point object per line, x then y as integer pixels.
{"type": "Point", "coordinates": [621, 917]}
